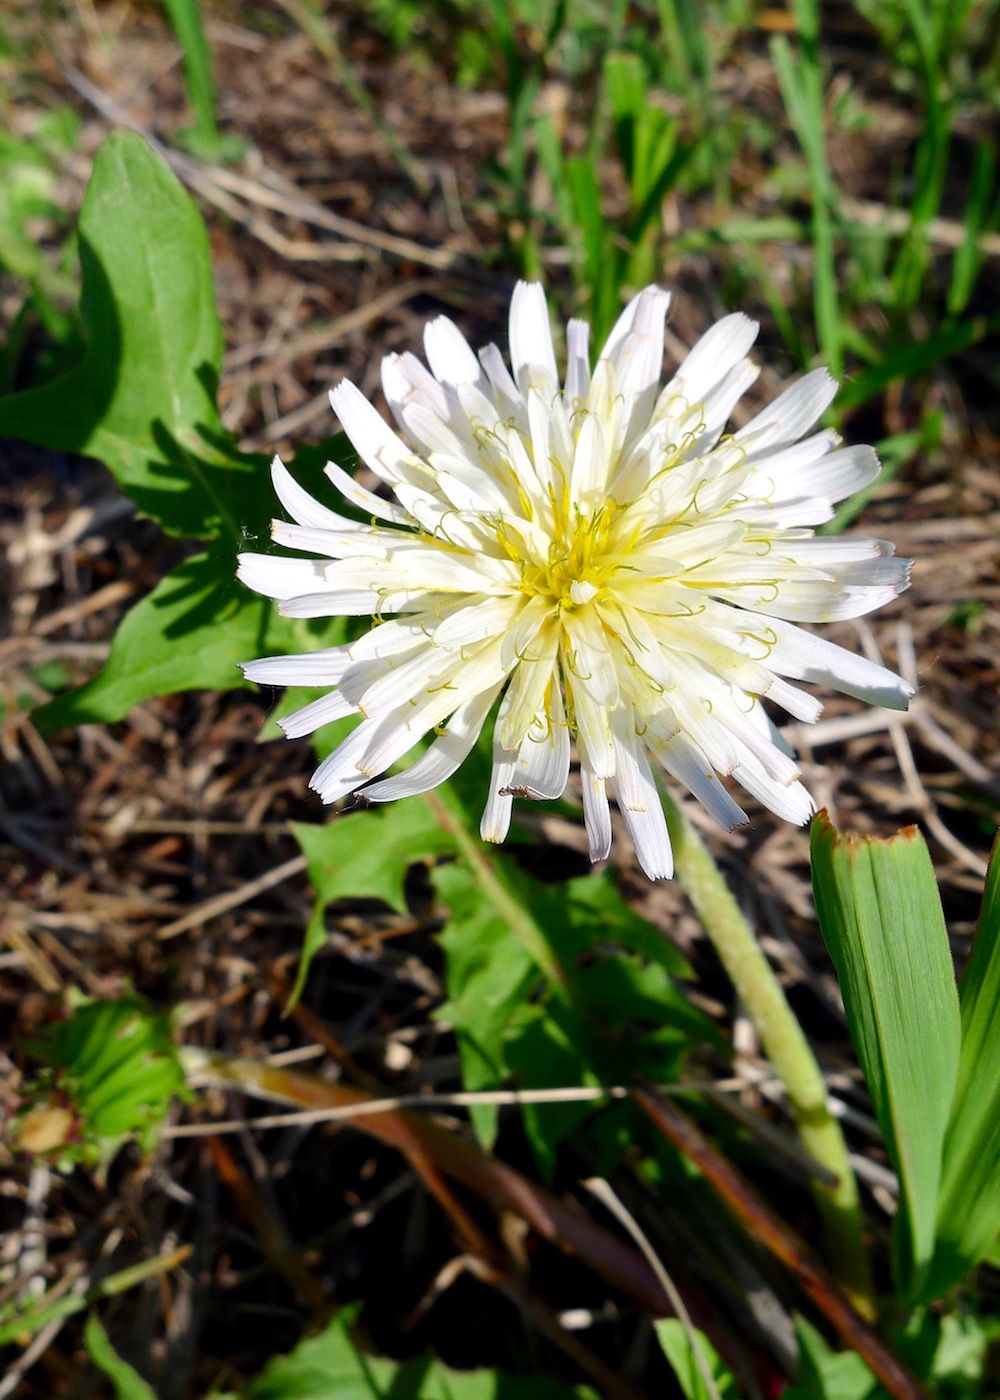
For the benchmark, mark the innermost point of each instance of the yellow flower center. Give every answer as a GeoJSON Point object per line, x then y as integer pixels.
{"type": "Point", "coordinates": [580, 564]}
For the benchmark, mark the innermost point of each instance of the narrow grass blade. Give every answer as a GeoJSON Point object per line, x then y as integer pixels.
{"type": "Point", "coordinates": [917, 358]}
{"type": "Point", "coordinates": [968, 259]}
{"type": "Point", "coordinates": [127, 1383]}
{"type": "Point", "coordinates": [880, 915]}
{"type": "Point", "coordinates": [969, 1210]}
{"type": "Point", "coordinates": [801, 83]}
{"type": "Point", "coordinates": [930, 161]}
{"type": "Point", "coordinates": [185, 18]}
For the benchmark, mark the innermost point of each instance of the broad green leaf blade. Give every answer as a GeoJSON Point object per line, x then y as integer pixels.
{"type": "Point", "coordinates": [332, 1367]}
{"type": "Point", "coordinates": [190, 633]}
{"type": "Point", "coordinates": [829, 1375]}
{"type": "Point", "coordinates": [142, 400]}
{"type": "Point", "coordinates": [969, 1212]}
{"type": "Point", "coordinates": [542, 1047]}
{"type": "Point", "coordinates": [365, 855]}
{"type": "Point", "coordinates": [127, 1383]}
{"type": "Point", "coordinates": [880, 915]}
{"type": "Point", "coordinates": [489, 973]}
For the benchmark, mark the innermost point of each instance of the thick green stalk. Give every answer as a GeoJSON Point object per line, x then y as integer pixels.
{"type": "Point", "coordinates": [787, 1049]}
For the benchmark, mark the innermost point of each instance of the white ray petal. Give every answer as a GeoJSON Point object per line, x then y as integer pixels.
{"type": "Point", "coordinates": [371, 437]}
{"type": "Point", "coordinates": [638, 363]}
{"type": "Point", "coordinates": [339, 773]}
{"type": "Point", "coordinates": [278, 577]}
{"type": "Point", "coordinates": [791, 414]}
{"type": "Point", "coordinates": [509, 400]}
{"type": "Point", "coordinates": [358, 602]}
{"type": "Point", "coordinates": [443, 758]}
{"type": "Point", "coordinates": [684, 760]}
{"type": "Point", "coordinates": [806, 657]}
{"type": "Point", "coordinates": [406, 381]}
{"type": "Point", "coordinates": [541, 770]}
{"type": "Point", "coordinates": [450, 355]}
{"type": "Point", "coordinates": [647, 827]}
{"type": "Point", "coordinates": [591, 464]}
{"type": "Point", "coordinates": [577, 363]}
{"type": "Point", "coordinates": [793, 803]}
{"type": "Point", "coordinates": [302, 507]}
{"type": "Point", "coordinates": [495, 822]}
{"type": "Point", "coordinates": [719, 404]}
{"type": "Point", "coordinates": [402, 728]}
{"type": "Point", "coordinates": [365, 500]}
{"type": "Point", "coordinates": [314, 715]}
{"type": "Point", "coordinates": [529, 683]}
{"type": "Point", "coordinates": [529, 623]}
{"type": "Point", "coordinates": [531, 347]}
{"type": "Point", "coordinates": [719, 350]}
{"type": "Point", "coordinates": [363, 540]}
{"type": "Point", "coordinates": [306, 668]}
{"type": "Point", "coordinates": [593, 730]}
{"type": "Point", "coordinates": [801, 706]}
{"type": "Point", "coordinates": [596, 813]}
{"type": "Point", "coordinates": [479, 617]}
{"type": "Point", "coordinates": [496, 816]}
{"type": "Point", "coordinates": [587, 657]}
{"type": "Point", "coordinates": [836, 476]}
{"type": "Point", "coordinates": [784, 463]}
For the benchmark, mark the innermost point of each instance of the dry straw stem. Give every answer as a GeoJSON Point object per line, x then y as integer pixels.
{"type": "Point", "coordinates": [461, 1161]}
{"type": "Point", "coordinates": [568, 1229]}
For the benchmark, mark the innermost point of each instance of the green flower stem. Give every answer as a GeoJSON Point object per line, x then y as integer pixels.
{"type": "Point", "coordinates": [506, 904]}
{"type": "Point", "coordinates": [787, 1049]}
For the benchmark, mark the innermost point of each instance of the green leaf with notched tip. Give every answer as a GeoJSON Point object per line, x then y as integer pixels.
{"type": "Point", "coordinates": [969, 1210]}
{"type": "Point", "coordinates": [880, 915]}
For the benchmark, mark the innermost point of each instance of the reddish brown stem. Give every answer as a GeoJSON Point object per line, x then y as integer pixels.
{"type": "Point", "coordinates": [273, 1241]}
{"type": "Point", "coordinates": [496, 1268]}
{"type": "Point", "coordinates": [502, 1187]}
{"type": "Point", "coordinates": [768, 1227]}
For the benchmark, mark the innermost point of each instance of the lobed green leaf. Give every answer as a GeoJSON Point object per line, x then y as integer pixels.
{"type": "Point", "coordinates": [332, 1366]}
{"type": "Point", "coordinates": [538, 986]}
{"type": "Point", "coordinates": [114, 1066]}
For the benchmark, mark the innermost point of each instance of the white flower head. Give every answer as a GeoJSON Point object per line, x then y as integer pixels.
{"type": "Point", "coordinates": [599, 556]}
